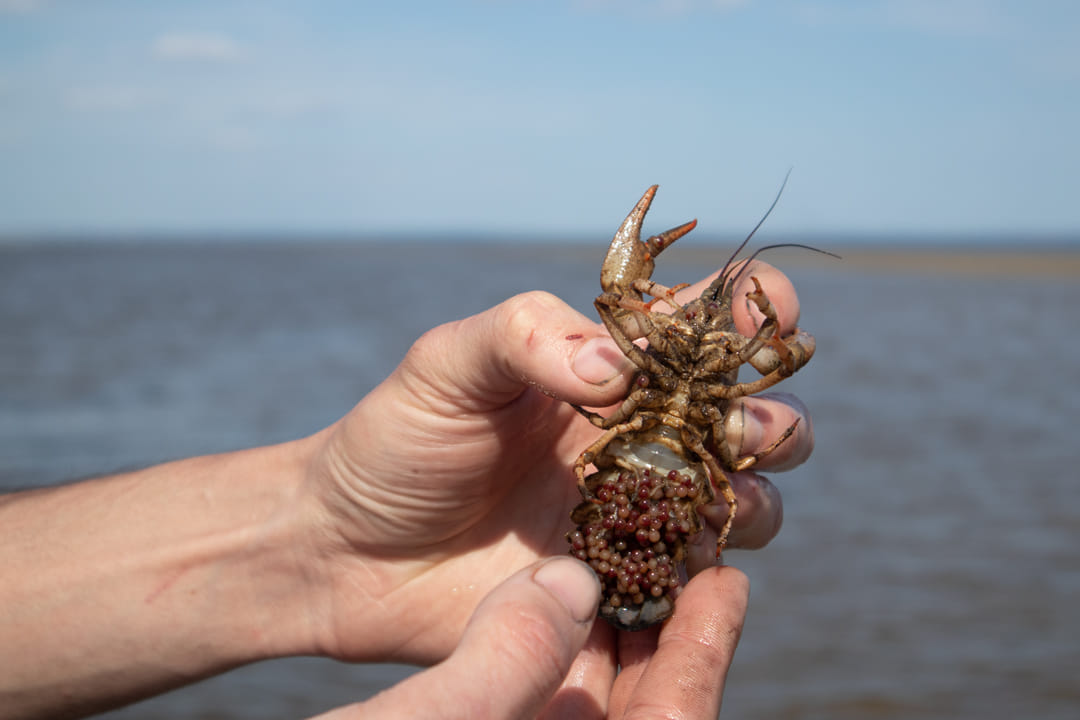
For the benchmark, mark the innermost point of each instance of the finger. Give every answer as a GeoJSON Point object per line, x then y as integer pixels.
{"type": "Point", "coordinates": [747, 317]}
{"type": "Point", "coordinates": [585, 690]}
{"type": "Point", "coordinates": [754, 423]}
{"type": "Point", "coordinates": [758, 521]}
{"type": "Point", "coordinates": [532, 339]}
{"type": "Point", "coordinates": [685, 676]}
{"type": "Point", "coordinates": [636, 649]}
{"type": "Point", "coordinates": [514, 652]}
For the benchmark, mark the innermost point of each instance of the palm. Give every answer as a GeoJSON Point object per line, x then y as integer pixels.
{"type": "Point", "coordinates": [470, 495]}
{"type": "Point", "coordinates": [454, 474]}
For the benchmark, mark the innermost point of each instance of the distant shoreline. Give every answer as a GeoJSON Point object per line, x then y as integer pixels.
{"type": "Point", "coordinates": [1055, 262]}
{"type": "Point", "coordinates": [993, 259]}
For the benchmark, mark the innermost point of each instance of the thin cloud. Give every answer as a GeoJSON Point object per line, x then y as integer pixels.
{"type": "Point", "coordinates": [20, 6]}
{"type": "Point", "coordinates": [934, 17]}
{"type": "Point", "coordinates": [106, 98]}
{"type": "Point", "coordinates": [946, 17]}
{"type": "Point", "coordinates": [201, 47]}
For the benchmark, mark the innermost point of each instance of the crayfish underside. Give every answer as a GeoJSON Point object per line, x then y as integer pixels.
{"type": "Point", "coordinates": [663, 454]}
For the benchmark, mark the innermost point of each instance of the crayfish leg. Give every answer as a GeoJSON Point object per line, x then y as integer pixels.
{"type": "Point", "coordinates": [787, 358]}
{"type": "Point", "coordinates": [597, 447]}
{"type": "Point", "coordinates": [719, 481]}
{"type": "Point", "coordinates": [633, 401]}
{"type": "Point", "coordinates": [748, 461]}
{"type": "Point", "coordinates": [595, 418]}
{"type": "Point", "coordinates": [797, 350]}
{"type": "Point", "coordinates": [659, 292]}
{"type": "Point", "coordinates": [730, 392]}
{"type": "Point", "coordinates": [626, 343]}
{"type": "Point", "coordinates": [728, 494]}
{"type": "Point", "coordinates": [637, 398]}
{"type": "Point", "coordinates": [769, 326]}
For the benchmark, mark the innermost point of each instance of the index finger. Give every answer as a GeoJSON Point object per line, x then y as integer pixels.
{"type": "Point", "coordinates": [685, 676]}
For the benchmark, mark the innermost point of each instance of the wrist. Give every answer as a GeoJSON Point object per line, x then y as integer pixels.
{"type": "Point", "coordinates": [130, 585]}
{"type": "Point", "coordinates": [261, 567]}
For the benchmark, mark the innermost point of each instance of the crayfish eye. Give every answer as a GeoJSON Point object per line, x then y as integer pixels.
{"type": "Point", "coordinates": [642, 380]}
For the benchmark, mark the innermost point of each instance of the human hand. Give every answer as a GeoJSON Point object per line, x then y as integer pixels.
{"type": "Point", "coordinates": [377, 538]}
{"type": "Point", "coordinates": [521, 641]}
{"type": "Point", "coordinates": [455, 472]}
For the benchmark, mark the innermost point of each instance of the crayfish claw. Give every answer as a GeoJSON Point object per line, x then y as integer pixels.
{"type": "Point", "coordinates": [631, 226]}
{"type": "Point", "coordinates": [658, 242]}
{"type": "Point", "coordinates": [627, 257]}
{"type": "Point", "coordinates": [796, 352]}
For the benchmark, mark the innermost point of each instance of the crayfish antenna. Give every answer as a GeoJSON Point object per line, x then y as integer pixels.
{"type": "Point", "coordinates": [721, 284]}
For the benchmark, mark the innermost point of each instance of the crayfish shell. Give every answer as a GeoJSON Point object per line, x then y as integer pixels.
{"type": "Point", "coordinates": [634, 530]}
{"type": "Point", "coordinates": [660, 459]}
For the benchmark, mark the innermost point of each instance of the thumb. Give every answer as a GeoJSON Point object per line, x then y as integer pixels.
{"type": "Point", "coordinates": [514, 653]}
{"type": "Point", "coordinates": [531, 339]}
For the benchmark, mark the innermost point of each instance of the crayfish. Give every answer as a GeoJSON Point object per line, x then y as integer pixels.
{"type": "Point", "coordinates": [662, 454]}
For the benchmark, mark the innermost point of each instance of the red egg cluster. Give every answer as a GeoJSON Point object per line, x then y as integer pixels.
{"type": "Point", "coordinates": [634, 537]}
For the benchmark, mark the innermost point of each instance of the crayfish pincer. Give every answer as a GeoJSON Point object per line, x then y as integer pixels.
{"type": "Point", "coordinates": [662, 454]}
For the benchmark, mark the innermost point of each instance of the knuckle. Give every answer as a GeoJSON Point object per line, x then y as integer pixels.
{"type": "Point", "coordinates": [706, 647]}
{"type": "Point", "coordinates": [519, 317]}
{"type": "Point", "coordinates": [429, 347]}
{"type": "Point", "coordinates": [535, 650]}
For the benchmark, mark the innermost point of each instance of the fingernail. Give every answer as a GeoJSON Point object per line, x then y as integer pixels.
{"type": "Point", "coordinates": [746, 431]}
{"type": "Point", "coordinates": [573, 584]}
{"type": "Point", "coordinates": [599, 361]}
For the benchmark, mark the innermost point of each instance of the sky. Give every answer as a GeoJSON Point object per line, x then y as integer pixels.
{"type": "Point", "coordinates": [523, 118]}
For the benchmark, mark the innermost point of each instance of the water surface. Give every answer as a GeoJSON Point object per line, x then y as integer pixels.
{"type": "Point", "coordinates": [928, 565]}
